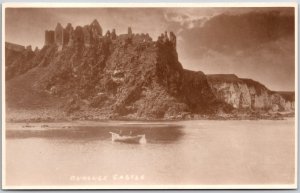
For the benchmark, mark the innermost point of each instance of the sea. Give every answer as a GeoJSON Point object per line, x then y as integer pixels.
{"type": "Point", "coordinates": [196, 152]}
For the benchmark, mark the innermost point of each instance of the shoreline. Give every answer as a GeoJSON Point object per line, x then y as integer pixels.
{"type": "Point", "coordinates": [54, 119]}
{"type": "Point", "coordinates": [38, 115]}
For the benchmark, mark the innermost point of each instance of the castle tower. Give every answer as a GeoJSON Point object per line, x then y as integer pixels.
{"type": "Point", "coordinates": [96, 29]}
{"type": "Point", "coordinates": [29, 48]}
{"type": "Point", "coordinates": [69, 27]}
{"type": "Point", "coordinates": [59, 30]}
{"type": "Point", "coordinates": [113, 34]}
{"type": "Point", "coordinates": [107, 34]}
{"type": "Point", "coordinates": [173, 39]}
{"type": "Point", "coordinates": [49, 37]}
{"type": "Point", "coordinates": [36, 49]}
{"type": "Point", "coordinates": [87, 35]}
{"type": "Point", "coordinates": [78, 35]}
{"type": "Point", "coordinates": [166, 36]}
{"type": "Point", "coordinates": [129, 31]}
{"type": "Point", "coordinates": [71, 38]}
{"type": "Point", "coordinates": [67, 33]}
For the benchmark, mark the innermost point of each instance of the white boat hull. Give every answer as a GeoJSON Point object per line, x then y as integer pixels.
{"type": "Point", "coordinates": [128, 139]}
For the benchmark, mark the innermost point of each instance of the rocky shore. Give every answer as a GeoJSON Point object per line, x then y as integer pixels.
{"type": "Point", "coordinates": [35, 116]}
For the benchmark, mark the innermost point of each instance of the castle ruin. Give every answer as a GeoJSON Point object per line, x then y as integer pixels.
{"type": "Point", "coordinates": [66, 36]}
{"type": "Point", "coordinates": [164, 38]}
{"type": "Point", "coordinates": [86, 35]}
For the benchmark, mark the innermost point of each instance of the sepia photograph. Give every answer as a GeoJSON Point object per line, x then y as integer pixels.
{"type": "Point", "coordinates": [149, 96]}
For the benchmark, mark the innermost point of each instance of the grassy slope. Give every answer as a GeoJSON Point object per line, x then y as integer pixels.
{"type": "Point", "coordinates": [20, 92]}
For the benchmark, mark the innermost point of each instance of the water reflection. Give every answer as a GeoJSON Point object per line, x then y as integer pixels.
{"type": "Point", "coordinates": [155, 133]}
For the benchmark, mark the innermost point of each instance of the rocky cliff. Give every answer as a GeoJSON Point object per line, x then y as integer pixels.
{"type": "Point", "coordinates": [112, 76]}
{"type": "Point", "coordinates": [85, 74]}
{"type": "Point", "coordinates": [249, 94]}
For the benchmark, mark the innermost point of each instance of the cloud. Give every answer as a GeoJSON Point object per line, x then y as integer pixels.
{"type": "Point", "coordinates": [257, 45]}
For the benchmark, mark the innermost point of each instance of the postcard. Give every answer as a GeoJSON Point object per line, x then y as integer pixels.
{"type": "Point", "coordinates": [149, 96]}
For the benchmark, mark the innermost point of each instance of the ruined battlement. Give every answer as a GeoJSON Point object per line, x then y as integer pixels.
{"type": "Point", "coordinates": [67, 36]}
{"type": "Point", "coordinates": [169, 39]}
{"type": "Point", "coordinates": [88, 34]}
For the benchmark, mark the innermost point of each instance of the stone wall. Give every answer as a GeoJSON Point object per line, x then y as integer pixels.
{"type": "Point", "coordinates": [49, 37]}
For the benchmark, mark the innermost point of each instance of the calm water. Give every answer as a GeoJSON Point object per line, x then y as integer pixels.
{"type": "Point", "coordinates": [185, 152]}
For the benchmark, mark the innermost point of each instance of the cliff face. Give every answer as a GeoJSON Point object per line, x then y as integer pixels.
{"type": "Point", "coordinates": [249, 94]}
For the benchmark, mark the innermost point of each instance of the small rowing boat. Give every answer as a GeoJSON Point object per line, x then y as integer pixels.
{"type": "Point", "coordinates": [128, 138]}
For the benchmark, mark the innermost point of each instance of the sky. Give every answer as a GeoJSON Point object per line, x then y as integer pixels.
{"type": "Point", "coordinates": [256, 43]}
